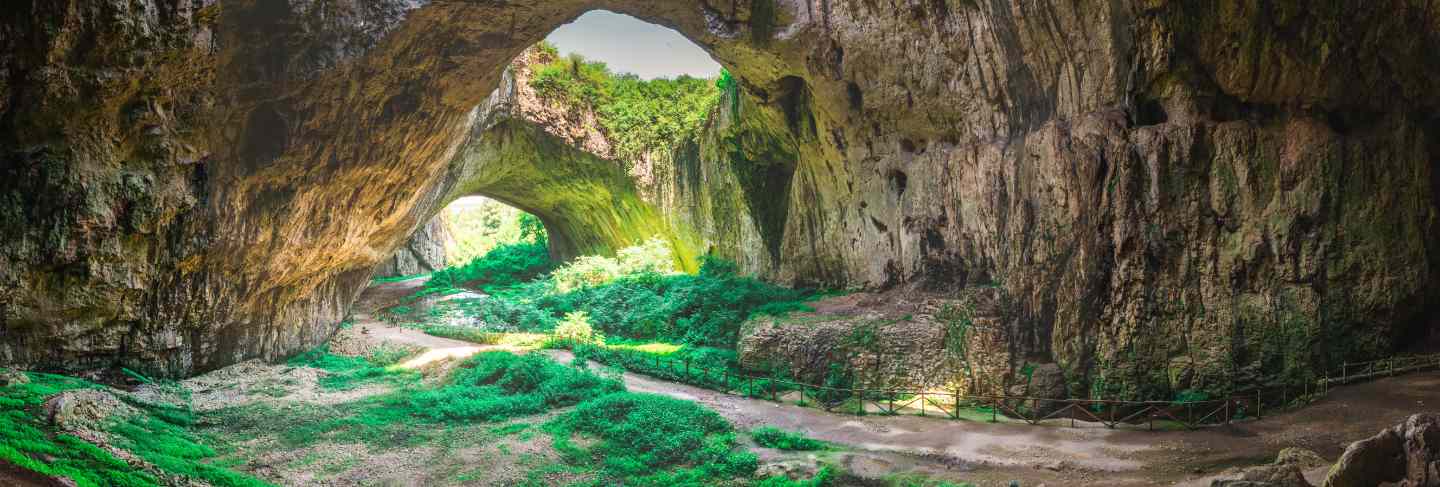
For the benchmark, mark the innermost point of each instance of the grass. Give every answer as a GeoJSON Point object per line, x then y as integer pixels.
{"type": "Point", "coordinates": [348, 373]}
{"type": "Point", "coordinates": [771, 437]}
{"type": "Point", "coordinates": [648, 439]}
{"type": "Point", "coordinates": [634, 296]}
{"type": "Point", "coordinates": [158, 435]}
{"type": "Point", "coordinates": [608, 435]}
{"type": "Point", "coordinates": [488, 387]}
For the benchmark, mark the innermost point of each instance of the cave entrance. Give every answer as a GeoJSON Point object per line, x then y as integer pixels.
{"type": "Point", "coordinates": [468, 228]}
{"type": "Point", "coordinates": [583, 133]}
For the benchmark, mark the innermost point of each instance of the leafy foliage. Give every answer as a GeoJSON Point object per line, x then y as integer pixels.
{"type": "Point", "coordinates": [499, 385]}
{"type": "Point", "coordinates": [592, 270]}
{"type": "Point", "coordinates": [703, 310]}
{"type": "Point", "coordinates": [771, 437]}
{"type": "Point", "coordinates": [649, 439]}
{"type": "Point", "coordinates": [506, 265]}
{"type": "Point", "coordinates": [576, 329]}
{"type": "Point", "coordinates": [639, 116]}
{"type": "Point", "coordinates": [477, 225]}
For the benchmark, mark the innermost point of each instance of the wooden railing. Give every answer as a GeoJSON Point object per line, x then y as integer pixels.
{"type": "Point", "coordinates": [1033, 410]}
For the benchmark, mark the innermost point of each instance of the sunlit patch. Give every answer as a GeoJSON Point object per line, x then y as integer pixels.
{"type": "Point", "coordinates": [655, 348]}
{"type": "Point", "coordinates": [437, 355]}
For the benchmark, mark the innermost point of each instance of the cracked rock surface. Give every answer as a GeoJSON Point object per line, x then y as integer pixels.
{"type": "Point", "coordinates": [1174, 194]}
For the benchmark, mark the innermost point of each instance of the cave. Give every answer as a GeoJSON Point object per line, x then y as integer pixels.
{"type": "Point", "coordinates": [1163, 201]}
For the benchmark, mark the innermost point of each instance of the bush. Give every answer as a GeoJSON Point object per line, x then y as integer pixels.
{"type": "Point", "coordinates": [494, 386]}
{"type": "Point", "coordinates": [639, 116]}
{"type": "Point", "coordinates": [501, 314]}
{"type": "Point", "coordinates": [771, 437]}
{"type": "Point", "coordinates": [644, 436]}
{"type": "Point", "coordinates": [703, 310]}
{"type": "Point", "coordinates": [575, 329]}
{"type": "Point", "coordinates": [652, 257]}
{"type": "Point", "coordinates": [504, 266]}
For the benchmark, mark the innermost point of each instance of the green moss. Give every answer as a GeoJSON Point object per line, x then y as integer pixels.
{"type": "Point", "coordinates": [762, 21]}
{"type": "Point", "coordinates": [158, 435]}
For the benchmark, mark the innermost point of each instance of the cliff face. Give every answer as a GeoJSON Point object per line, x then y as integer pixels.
{"type": "Point", "coordinates": [424, 252]}
{"type": "Point", "coordinates": [1175, 194]}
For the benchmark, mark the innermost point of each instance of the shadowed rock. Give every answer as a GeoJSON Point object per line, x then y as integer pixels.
{"type": "Point", "coordinates": [1216, 183]}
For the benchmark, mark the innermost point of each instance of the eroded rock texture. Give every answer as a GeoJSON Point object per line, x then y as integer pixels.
{"type": "Point", "coordinates": [1200, 194]}
{"type": "Point", "coordinates": [424, 252]}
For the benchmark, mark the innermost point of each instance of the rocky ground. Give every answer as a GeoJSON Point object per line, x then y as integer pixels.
{"type": "Point", "coordinates": [875, 447]}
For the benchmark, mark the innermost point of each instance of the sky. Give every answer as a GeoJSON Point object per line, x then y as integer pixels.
{"type": "Point", "coordinates": [631, 45]}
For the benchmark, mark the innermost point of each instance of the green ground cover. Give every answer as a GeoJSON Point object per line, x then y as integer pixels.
{"type": "Point", "coordinates": [159, 435]}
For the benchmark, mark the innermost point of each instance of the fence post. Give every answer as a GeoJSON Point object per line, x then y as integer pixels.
{"type": "Point", "coordinates": [687, 369]}
{"type": "Point", "coordinates": [994, 406]}
{"type": "Point", "coordinates": [773, 378]}
{"type": "Point", "coordinates": [1259, 405]}
{"type": "Point", "coordinates": [1227, 408]}
{"type": "Point", "coordinates": [1345, 372]}
{"type": "Point", "coordinates": [957, 403]}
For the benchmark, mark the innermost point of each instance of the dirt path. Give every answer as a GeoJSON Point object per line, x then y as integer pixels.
{"type": "Point", "coordinates": [995, 454]}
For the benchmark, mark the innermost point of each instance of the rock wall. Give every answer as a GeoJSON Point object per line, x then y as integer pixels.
{"type": "Point", "coordinates": [424, 252]}
{"type": "Point", "coordinates": [1200, 194]}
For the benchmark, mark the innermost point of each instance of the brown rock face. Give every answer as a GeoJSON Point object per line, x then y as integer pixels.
{"type": "Point", "coordinates": [1407, 454]}
{"type": "Point", "coordinates": [424, 252]}
{"type": "Point", "coordinates": [1246, 187]}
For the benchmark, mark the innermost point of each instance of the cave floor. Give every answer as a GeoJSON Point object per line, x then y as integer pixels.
{"type": "Point", "coordinates": [874, 446]}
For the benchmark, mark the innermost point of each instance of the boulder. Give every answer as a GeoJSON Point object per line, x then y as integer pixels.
{"type": "Point", "coordinates": [1305, 459]}
{"type": "Point", "coordinates": [1407, 454]}
{"type": "Point", "coordinates": [84, 409]}
{"type": "Point", "coordinates": [1286, 471]}
{"type": "Point", "coordinates": [13, 378]}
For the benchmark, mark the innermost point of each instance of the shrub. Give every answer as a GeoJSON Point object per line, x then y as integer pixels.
{"type": "Point", "coordinates": [575, 329]}
{"type": "Point", "coordinates": [704, 310]}
{"type": "Point", "coordinates": [506, 265]}
{"type": "Point", "coordinates": [652, 257]}
{"type": "Point", "coordinates": [498, 385]}
{"type": "Point", "coordinates": [644, 436]}
{"type": "Point", "coordinates": [639, 116]}
{"type": "Point", "coordinates": [771, 437]}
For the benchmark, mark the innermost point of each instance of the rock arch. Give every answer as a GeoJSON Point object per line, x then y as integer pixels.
{"type": "Point", "coordinates": [1156, 184]}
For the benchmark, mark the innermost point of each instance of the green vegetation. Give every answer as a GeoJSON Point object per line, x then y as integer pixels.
{"type": "Point", "coordinates": [639, 116]}
{"type": "Point", "coordinates": [158, 435]}
{"type": "Point", "coordinates": [477, 225]}
{"type": "Point", "coordinates": [610, 436]}
{"type": "Point", "coordinates": [771, 437]}
{"type": "Point", "coordinates": [703, 310]}
{"type": "Point", "coordinates": [504, 266]}
{"type": "Point", "coordinates": [647, 439]}
{"type": "Point", "coordinates": [347, 373]}
{"type": "Point", "coordinates": [636, 295]}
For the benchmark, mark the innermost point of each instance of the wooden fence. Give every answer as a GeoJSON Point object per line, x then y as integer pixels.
{"type": "Point", "coordinates": [1071, 412]}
